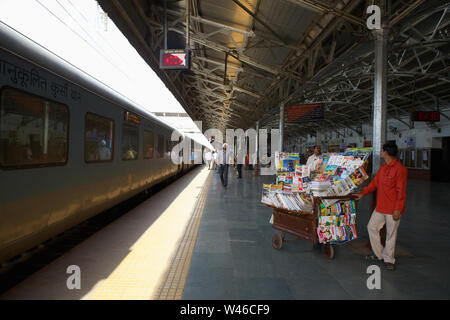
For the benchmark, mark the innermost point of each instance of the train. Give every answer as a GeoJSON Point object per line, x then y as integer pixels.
{"type": "Point", "coordinates": [70, 146]}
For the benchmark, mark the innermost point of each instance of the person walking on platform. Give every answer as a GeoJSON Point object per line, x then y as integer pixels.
{"type": "Point", "coordinates": [238, 161]}
{"type": "Point", "coordinates": [224, 159]}
{"type": "Point", "coordinates": [208, 157]}
{"type": "Point", "coordinates": [390, 184]}
{"type": "Point", "coordinates": [215, 160]}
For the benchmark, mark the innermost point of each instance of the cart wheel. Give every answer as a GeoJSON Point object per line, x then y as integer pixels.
{"type": "Point", "coordinates": [328, 251]}
{"type": "Point", "coordinates": [277, 241]}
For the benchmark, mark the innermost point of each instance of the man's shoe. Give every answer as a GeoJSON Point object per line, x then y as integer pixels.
{"type": "Point", "coordinates": [389, 266]}
{"type": "Point", "coordinates": [372, 257]}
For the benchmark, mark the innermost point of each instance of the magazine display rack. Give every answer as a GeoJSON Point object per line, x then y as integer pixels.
{"type": "Point", "coordinates": [316, 206]}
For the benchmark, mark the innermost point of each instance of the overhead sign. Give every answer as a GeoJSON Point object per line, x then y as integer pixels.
{"type": "Point", "coordinates": [304, 113]}
{"type": "Point", "coordinates": [432, 116]}
{"type": "Point", "coordinates": [174, 59]}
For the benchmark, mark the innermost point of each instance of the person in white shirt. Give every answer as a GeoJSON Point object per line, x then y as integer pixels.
{"type": "Point", "coordinates": [208, 157]}
{"type": "Point", "coordinates": [104, 153]}
{"type": "Point", "coordinates": [315, 160]}
{"type": "Point", "coordinates": [214, 160]}
{"type": "Point", "coordinates": [223, 160]}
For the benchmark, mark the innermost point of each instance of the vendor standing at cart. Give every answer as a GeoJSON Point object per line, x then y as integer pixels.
{"type": "Point", "coordinates": [315, 160]}
{"type": "Point", "coordinates": [390, 184]}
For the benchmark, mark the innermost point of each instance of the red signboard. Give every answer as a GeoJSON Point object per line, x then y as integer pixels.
{"type": "Point", "coordinates": [304, 112]}
{"type": "Point", "coordinates": [432, 116]}
{"type": "Point", "coordinates": [174, 59]}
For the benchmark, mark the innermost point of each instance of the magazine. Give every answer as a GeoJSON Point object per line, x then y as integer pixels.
{"type": "Point", "coordinates": [298, 170]}
{"type": "Point", "coordinates": [265, 195]}
{"type": "Point", "coordinates": [350, 183]}
{"type": "Point", "coordinates": [297, 184]}
{"type": "Point", "coordinates": [286, 199]}
{"type": "Point", "coordinates": [305, 172]}
{"type": "Point", "coordinates": [330, 169]}
{"type": "Point", "coordinates": [294, 156]}
{"type": "Point", "coordinates": [359, 176]}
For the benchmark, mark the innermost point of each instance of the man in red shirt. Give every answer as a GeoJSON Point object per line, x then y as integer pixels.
{"type": "Point", "coordinates": [390, 184]}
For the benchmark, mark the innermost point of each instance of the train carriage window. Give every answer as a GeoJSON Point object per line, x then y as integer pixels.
{"type": "Point", "coordinates": [98, 138]}
{"type": "Point", "coordinates": [160, 147]}
{"type": "Point", "coordinates": [34, 131]}
{"type": "Point", "coordinates": [168, 148]}
{"type": "Point", "coordinates": [130, 142]}
{"type": "Point", "coordinates": [149, 144]}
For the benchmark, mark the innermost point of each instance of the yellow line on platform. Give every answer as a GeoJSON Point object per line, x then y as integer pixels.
{"type": "Point", "coordinates": [174, 281]}
{"type": "Point", "coordinates": [157, 264]}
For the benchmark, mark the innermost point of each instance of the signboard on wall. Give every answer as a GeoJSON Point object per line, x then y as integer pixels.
{"type": "Point", "coordinates": [304, 113]}
{"type": "Point", "coordinates": [410, 141]}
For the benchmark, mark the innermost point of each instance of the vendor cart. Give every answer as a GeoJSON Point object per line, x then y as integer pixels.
{"type": "Point", "coordinates": [303, 225]}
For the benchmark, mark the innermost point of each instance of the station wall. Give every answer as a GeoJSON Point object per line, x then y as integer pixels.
{"type": "Point", "coordinates": [421, 136]}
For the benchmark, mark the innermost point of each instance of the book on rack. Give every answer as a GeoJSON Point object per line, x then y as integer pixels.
{"type": "Point", "coordinates": [266, 199]}
{"type": "Point", "coordinates": [298, 170]}
{"type": "Point", "coordinates": [333, 234]}
{"type": "Point", "coordinates": [293, 201]}
{"type": "Point", "coordinates": [297, 184]}
{"type": "Point", "coordinates": [359, 176]}
{"type": "Point", "coordinates": [330, 169]}
{"type": "Point", "coordinates": [294, 156]}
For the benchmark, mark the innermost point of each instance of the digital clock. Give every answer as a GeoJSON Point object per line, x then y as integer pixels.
{"type": "Point", "coordinates": [174, 59]}
{"type": "Point", "coordinates": [431, 116]}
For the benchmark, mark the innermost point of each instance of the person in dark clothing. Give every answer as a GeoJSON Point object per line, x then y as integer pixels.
{"type": "Point", "coordinates": [239, 163]}
{"type": "Point", "coordinates": [224, 159]}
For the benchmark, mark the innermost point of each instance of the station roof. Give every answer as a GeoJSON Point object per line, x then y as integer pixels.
{"type": "Point", "coordinates": [248, 56]}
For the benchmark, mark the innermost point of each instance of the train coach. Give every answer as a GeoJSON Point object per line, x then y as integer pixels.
{"type": "Point", "coordinates": [70, 147]}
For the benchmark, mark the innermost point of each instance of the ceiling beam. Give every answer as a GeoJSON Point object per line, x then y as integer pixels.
{"type": "Point", "coordinates": [243, 7]}
{"type": "Point", "coordinates": [322, 8]}
{"type": "Point", "coordinates": [211, 23]}
{"type": "Point", "coordinates": [220, 84]}
{"type": "Point", "coordinates": [123, 13]}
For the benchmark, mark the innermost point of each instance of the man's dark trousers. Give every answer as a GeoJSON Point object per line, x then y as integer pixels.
{"type": "Point", "coordinates": [239, 170]}
{"type": "Point", "coordinates": [223, 171]}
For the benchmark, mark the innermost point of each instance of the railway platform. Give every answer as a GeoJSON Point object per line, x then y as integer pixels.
{"type": "Point", "coordinates": [141, 255]}
{"type": "Point", "coordinates": [234, 257]}
{"type": "Point", "coordinates": [197, 240]}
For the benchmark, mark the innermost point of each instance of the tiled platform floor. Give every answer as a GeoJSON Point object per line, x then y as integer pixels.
{"type": "Point", "coordinates": [234, 258]}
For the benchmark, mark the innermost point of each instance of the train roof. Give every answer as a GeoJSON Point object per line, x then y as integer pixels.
{"type": "Point", "coordinates": [18, 44]}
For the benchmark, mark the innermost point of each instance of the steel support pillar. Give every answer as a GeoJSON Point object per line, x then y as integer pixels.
{"type": "Point", "coordinates": [188, 22]}
{"type": "Point", "coordinates": [380, 96]}
{"type": "Point", "coordinates": [280, 145]}
{"type": "Point", "coordinates": [379, 106]}
{"type": "Point", "coordinates": [257, 149]}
